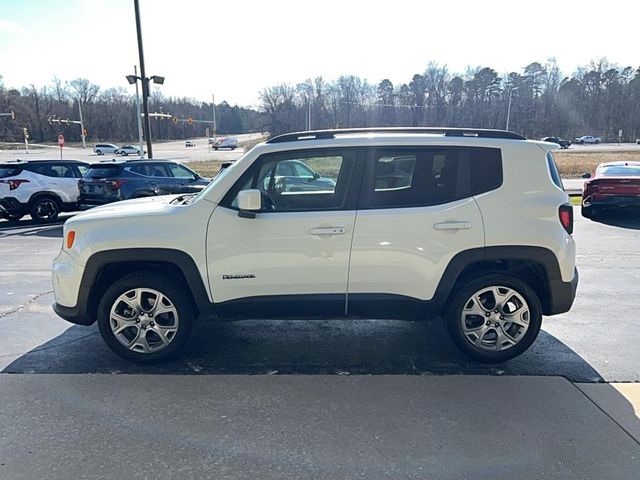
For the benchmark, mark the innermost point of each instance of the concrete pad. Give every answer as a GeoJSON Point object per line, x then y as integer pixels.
{"type": "Point", "coordinates": [298, 427]}
{"type": "Point", "coordinates": [621, 401]}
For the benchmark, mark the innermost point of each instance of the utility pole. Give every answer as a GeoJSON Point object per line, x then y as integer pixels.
{"type": "Point", "coordinates": [213, 101]}
{"type": "Point", "coordinates": [145, 82]}
{"type": "Point", "coordinates": [509, 106]}
{"type": "Point", "coordinates": [84, 145]}
{"type": "Point", "coordinates": [139, 116]}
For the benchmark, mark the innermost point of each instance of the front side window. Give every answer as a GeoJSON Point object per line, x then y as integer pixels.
{"type": "Point", "coordinates": [299, 181]}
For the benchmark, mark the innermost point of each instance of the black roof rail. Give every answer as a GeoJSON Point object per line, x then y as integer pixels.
{"type": "Point", "coordinates": [447, 132]}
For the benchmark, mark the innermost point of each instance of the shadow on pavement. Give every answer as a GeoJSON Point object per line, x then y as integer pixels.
{"type": "Point", "coordinates": [344, 347]}
{"type": "Point", "coordinates": [620, 217]}
{"type": "Point", "coordinates": [46, 231]}
{"type": "Point", "coordinates": [28, 222]}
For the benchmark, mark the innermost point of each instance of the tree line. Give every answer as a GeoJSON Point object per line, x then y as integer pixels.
{"type": "Point", "coordinates": [109, 114]}
{"type": "Point", "coordinates": [598, 99]}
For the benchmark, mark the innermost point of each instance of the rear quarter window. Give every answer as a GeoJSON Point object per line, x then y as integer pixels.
{"type": "Point", "coordinates": [9, 171]}
{"type": "Point", "coordinates": [553, 171]}
{"type": "Point", "coordinates": [485, 166]}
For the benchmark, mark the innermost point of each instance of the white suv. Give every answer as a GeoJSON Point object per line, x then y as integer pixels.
{"type": "Point", "coordinates": [471, 225]}
{"type": "Point", "coordinates": [41, 188]}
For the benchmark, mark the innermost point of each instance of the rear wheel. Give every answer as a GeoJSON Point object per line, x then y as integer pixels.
{"type": "Point", "coordinates": [99, 152]}
{"type": "Point", "coordinates": [145, 317]}
{"type": "Point", "coordinates": [44, 209]}
{"type": "Point", "coordinates": [494, 317]}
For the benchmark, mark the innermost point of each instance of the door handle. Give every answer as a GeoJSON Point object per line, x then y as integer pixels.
{"type": "Point", "coordinates": [328, 231]}
{"type": "Point", "coordinates": [452, 226]}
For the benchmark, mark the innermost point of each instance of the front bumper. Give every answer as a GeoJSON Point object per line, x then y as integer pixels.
{"type": "Point", "coordinates": [562, 295]}
{"type": "Point", "coordinates": [70, 297]}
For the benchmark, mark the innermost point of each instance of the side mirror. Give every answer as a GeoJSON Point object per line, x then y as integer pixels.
{"type": "Point", "coordinates": [586, 175]}
{"type": "Point", "coordinates": [249, 202]}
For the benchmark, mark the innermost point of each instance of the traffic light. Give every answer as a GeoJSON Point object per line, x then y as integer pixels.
{"type": "Point", "coordinates": [190, 120]}
{"type": "Point", "coordinates": [26, 132]}
{"type": "Point", "coordinates": [85, 132]}
{"type": "Point", "coordinates": [174, 119]}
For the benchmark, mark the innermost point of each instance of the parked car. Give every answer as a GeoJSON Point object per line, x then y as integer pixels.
{"type": "Point", "coordinates": [614, 184]}
{"type": "Point", "coordinates": [105, 148]}
{"type": "Point", "coordinates": [296, 176]}
{"type": "Point", "coordinates": [436, 244]}
{"type": "Point", "coordinates": [128, 150]}
{"type": "Point", "coordinates": [588, 139]}
{"type": "Point", "coordinates": [40, 188]}
{"type": "Point", "coordinates": [107, 182]}
{"type": "Point", "coordinates": [190, 143]}
{"type": "Point", "coordinates": [557, 140]}
{"type": "Point", "coordinates": [230, 143]}
{"type": "Point", "coordinates": [638, 141]}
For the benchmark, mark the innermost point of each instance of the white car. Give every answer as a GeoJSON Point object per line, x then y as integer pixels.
{"type": "Point", "coordinates": [127, 150]}
{"type": "Point", "coordinates": [587, 139]}
{"type": "Point", "coordinates": [40, 188]}
{"type": "Point", "coordinates": [105, 148]}
{"type": "Point", "coordinates": [190, 143]}
{"type": "Point", "coordinates": [407, 224]}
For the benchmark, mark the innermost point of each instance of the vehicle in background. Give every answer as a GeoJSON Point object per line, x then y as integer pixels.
{"type": "Point", "coordinates": [297, 176]}
{"type": "Point", "coordinates": [104, 148]}
{"type": "Point", "coordinates": [128, 150]}
{"type": "Point", "coordinates": [190, 143]}
{"type": "Point", "coordinates": [107, 182]}
{"type": "Point", "coordinates": [229, 142]}
{"type": "Point", "coordinates": [557, 140]}
{"type": "Point", "coordinates": [614, 184]}
{"type": "Point", "coordinates": [638, 141]}
{"type": "Point", "coordinates": [588, 139]}
{"type": "Point", "coordinates": [40, 188]}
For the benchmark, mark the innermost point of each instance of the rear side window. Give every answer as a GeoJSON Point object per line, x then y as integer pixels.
{"type": "Point", "coordinates": [553, 170]}
{"type": "Point", "coordinates": [485, 166]}
{"type": "Point", "coordinates": [104, 172]}
{"type": "Point", "coordinates": [9, 171]}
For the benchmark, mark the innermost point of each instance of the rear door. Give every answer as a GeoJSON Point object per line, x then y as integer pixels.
{"type": "Point", "coordinates": [416, 213]}
{"type": "Point", "coordinates": [64, 181]}
{"type": "Point", "coordinates": [293, 257]}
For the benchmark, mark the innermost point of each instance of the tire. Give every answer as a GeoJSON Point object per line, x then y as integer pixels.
{"type": "Point", "coordinates": [495, 328]}
{"type": "Point", "coordinates": [139, 291]}
{"type": "Point", "coordinates": [12, 217]}
{"type": "Point", "coordinates": [597, 142]}
{"type": "Point", "coordinates": [44, 208]}
{"type": "Point", "coordinates": [99, 152]}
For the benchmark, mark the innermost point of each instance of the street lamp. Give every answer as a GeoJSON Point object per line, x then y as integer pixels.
{"type": "Point", "coordinates": [511, 90]}
{"type": "Point", "coordinates": [133, 80]}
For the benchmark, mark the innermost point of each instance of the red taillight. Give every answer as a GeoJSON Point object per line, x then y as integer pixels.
{"type": "Point", "coordinates": [566, 217]}
{"type": "Point", "coordinates": [116, 184]}
{"type": "Point", "coordinates": [13, 184]}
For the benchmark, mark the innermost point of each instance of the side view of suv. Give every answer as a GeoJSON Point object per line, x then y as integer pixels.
{"type": "Point", "coordinates": [40, 188]}
{"type": "Point", "coordinates": [469, 225]}
{"type": "Point", "coordinates": [111, 181]}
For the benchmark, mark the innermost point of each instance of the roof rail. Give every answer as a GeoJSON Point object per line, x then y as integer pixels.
{"type": "Point", "coordinates": [447, 132]}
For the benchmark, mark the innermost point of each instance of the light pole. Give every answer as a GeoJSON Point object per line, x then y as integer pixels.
{"type": "Point", "coordinates": [84, 145]}
{"type": "Point", "coordinates": [511, 90]}
{"type": "Point", "coordinates": [139, 115]}
{"type": "Point", "coordinates": [133, 80]}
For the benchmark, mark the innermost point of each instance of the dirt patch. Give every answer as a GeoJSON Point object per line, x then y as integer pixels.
{"type": "Point", "coordinates": [574, 164]}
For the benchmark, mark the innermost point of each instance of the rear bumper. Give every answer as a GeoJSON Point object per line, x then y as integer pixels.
{"type": "Point", "coordinates": [88, 201]}
{"type": "Point", "coordinates": [562, 294]}
{"type": "Point", "coordinates": [12, 205]}
{"type": "Point", "coordinates": [613, 200]}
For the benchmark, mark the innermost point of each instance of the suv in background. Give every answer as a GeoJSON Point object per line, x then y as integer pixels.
{"type": "Point", "coordinates": [105, 148]}
{"type": "Point", "coordinates": [111, 181]}
{"type": "Point", "coordinates": [558, 141]}
{"type": "Point", "coordinates": [415, 223]}
{"type": "Point", "coordinates": [40, 188]}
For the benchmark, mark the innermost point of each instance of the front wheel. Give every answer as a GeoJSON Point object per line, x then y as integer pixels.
{"type": "Point", "coordinates": [494, 317]}
{"type": "Point", "coordinates": [99, 152]}
{"type": "Point", "coordinates": [145, 317]}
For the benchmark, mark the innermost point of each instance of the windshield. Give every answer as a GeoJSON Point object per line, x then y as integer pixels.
{"type": "Point", "coordinates": [620, 171]}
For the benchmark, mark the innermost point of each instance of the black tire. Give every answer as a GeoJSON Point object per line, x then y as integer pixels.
{"type": "Point", "coordinates": [462, 297]}
{"type": "Point", "coordinates": [597, 142]}
{"type": "Point", "coordinates": [44, 208]}
{"type": "Point", "coordinates": [177, 295]}
{"type": "Point", "coordinates": [99, 152]}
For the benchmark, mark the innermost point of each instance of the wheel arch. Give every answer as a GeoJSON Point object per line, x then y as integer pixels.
{"type": "Point", "coordinates": [104, 268]}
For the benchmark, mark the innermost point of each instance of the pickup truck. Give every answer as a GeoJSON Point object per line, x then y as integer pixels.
{"type": "Point", "coordinates": [587, 139]}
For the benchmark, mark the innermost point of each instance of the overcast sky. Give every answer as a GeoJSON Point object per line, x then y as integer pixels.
{"type": "Point", "coordinates": [236, 48]}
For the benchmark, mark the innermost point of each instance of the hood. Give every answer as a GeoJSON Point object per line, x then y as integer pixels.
{"type": "Point", "coordinates": [138, 206]}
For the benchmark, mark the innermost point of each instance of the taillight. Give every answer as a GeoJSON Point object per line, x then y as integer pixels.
{"type": "Point", "coordinates": [116, 184]}
{"type": "Point", "coordinates": [13, 184]}
{"type": "Point", "coordinates": [565, 213]}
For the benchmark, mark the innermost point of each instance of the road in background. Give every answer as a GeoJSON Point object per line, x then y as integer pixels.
{"type": "Point", "coordinates": [174, 150]}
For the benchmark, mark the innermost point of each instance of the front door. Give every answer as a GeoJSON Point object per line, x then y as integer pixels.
{"type": "Point", "coordinates": [293, 257]}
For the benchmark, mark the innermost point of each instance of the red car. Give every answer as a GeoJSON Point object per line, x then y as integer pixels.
{"type": "Point", "coordinates": [614, 184]}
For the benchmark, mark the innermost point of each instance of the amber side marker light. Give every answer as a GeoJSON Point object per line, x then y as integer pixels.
{"type": "Point", "coordinates": [71, 236]}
